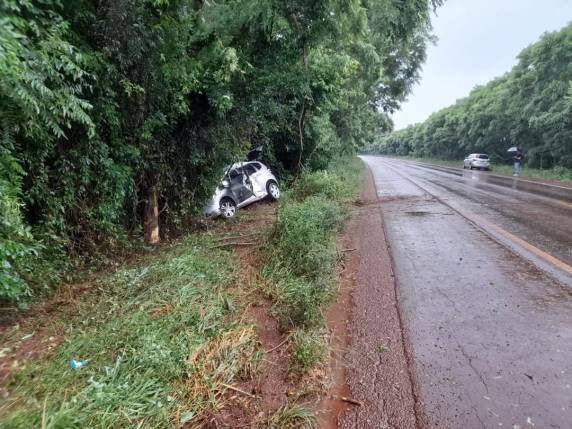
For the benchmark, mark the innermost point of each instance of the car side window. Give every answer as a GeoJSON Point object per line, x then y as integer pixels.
{"type": "Point", "coordinates": [249, 168]}
{"type": "Point", "coordinates": [257, 165]}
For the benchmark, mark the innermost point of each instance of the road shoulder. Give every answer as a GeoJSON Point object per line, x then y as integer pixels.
{"type": "Point", "coordinates": [377, 372]}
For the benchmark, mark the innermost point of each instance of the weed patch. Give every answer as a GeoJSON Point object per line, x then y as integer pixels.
{"type": "Point", "coordinates": [292, 416]}
{"type": "Point", "coordinates": [303, 257]}
{"type": "Point", "coordinates": [309, 349]}
{"type": "Point", "coordinates": [299, 272]}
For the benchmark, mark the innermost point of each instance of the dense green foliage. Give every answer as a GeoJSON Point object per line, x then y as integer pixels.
{"type": "Point", "coordinates": [110, 107]}
{"type": "Point", "coordinates": [531, 107]}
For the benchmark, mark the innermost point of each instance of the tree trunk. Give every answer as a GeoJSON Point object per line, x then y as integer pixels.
{"type": "Point", "coordinates": [302, 112]}
{"type": "Point", "coordinates": [151, 223]}
{"type": "Point", "coordinates": [301, 134]}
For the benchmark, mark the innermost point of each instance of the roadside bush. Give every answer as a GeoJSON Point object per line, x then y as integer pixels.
{"type": "Point", "coordinates": [318, 183]}
{"type": "Point", "coordinates": [303, 238]}
{"type": "Point", "coordinates": [16, 242]}
{"type": "Point", "coordinates": [303, 257]}
{"type": "Point", "coordinates": [340, 182]}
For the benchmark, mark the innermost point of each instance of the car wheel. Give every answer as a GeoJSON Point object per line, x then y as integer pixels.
{"type": "Point", "coordinates": [273, 190]}
{"type": "Point", "coordinates": [470, 167]}
{"type": "Point", "coordinates": [227, 208]}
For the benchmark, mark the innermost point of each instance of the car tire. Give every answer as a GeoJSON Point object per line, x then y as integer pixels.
{"type": "Point", "coordinates": [470, 167]}
{"type": "Point", "coordinates": [227, 208]}
{"type": "Point", "coordinates": [273, 190]}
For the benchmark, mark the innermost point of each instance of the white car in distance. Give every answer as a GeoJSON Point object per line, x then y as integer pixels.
{"type": "Point", "coordinates": [477, 160]}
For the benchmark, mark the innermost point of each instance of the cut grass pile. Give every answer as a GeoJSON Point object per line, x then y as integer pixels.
{"type": "Point", "coordinates": [161, 341]}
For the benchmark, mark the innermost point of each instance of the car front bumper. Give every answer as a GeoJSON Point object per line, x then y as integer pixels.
{"type": "Point", "coordinates": [213, 209]}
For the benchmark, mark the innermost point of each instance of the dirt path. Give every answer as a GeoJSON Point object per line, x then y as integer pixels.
{"type": "Point", "coordinates": [377, 371]}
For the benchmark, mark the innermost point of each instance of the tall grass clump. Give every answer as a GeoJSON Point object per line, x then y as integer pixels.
{"type": "Point", "coordinates": [308, 349]}
{"type": "Point", "coordinates": [303, 257]}
{"type": "Point", "coordinates": [340, 182]}
{"type": "Point", "coordinates": [292, 416]}
{"type": "Point", "coordinates": [302, 252]}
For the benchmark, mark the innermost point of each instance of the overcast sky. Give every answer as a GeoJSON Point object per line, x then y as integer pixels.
{"type": "Point", "coordinates": [478, 40]}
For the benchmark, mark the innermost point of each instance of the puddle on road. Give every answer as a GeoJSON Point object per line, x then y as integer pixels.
{"type": "Point", "coordinates": [418, 213]}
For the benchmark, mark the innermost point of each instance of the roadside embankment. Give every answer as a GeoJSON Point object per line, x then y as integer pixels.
{"type": "Point", "coordinates": [223, 329]}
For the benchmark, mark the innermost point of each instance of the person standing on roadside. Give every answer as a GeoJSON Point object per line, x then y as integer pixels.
{"type": "Point", "coordinates": [517, 159]}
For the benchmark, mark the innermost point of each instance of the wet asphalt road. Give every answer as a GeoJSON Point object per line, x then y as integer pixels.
{"type": "Point", "coordinates": [482, 266]}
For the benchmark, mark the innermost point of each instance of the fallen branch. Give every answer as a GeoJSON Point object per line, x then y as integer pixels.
{"type": "Point", "coordinates": [279, 345]}
{"type": "Point", "coordinates": [349, 400]}
{"type": "Point", "coordinates": [349, 250]}
{"type": "Point", "coordinates": [236, 389]}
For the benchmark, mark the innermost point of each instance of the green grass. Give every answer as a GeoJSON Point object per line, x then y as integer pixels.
{"type": "Point", "coordinates": [292, 416]}
{"type": "Point", "coordinates": [557, 173]}
{"type": "Point", "coordinates": [308, 348]}
{"type": "Point", "coordinates": [302, 257]}
{"type": "Point", "coordinates": [159, 340]}
{"type": "Point", "coordinates": [302, 252]}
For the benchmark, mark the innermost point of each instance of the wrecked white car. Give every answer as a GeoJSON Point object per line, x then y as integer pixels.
{"type": "Point", "coordinates": [243, 183]}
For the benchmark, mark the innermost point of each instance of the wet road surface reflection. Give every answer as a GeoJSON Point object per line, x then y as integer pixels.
{"type": "Point", "coordinates": [490, 333]}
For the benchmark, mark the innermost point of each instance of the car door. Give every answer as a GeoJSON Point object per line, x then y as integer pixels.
{"type": "Point", "coordinates": [256, 179]}
{"type": "Point", "coordinates": [240, 185]}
